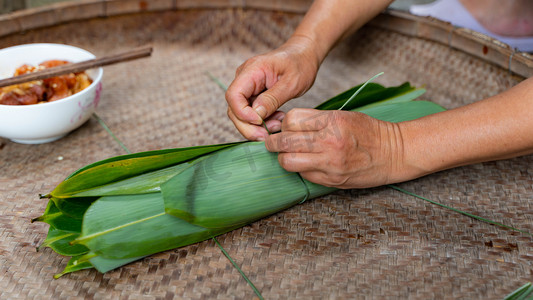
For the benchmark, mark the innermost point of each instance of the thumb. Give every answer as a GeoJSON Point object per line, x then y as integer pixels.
{"type": "Point", "coordinates": [270, 100]}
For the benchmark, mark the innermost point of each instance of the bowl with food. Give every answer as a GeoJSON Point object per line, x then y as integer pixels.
{"type": "Point", "coordinates": [45, 110]}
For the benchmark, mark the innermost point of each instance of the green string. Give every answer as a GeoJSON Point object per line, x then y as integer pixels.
{"type": "Point", "coordinates": [457, 210]}
{"type": "Point", "coordinates": [239, 269]}
{"type": "Point", "coordinates": [307, 192]}
{"type": "Point", "coordinates": [360, 89]}
{"type": "Point", "coordinates": [111, 133]}
{"type": "Point", "coordinates": [217, 81]}
{"type": "Point", "coordinates": [265, 126]}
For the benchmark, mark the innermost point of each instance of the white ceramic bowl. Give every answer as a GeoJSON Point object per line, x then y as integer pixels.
{"type": "Point", "coordinates": [41, 123]}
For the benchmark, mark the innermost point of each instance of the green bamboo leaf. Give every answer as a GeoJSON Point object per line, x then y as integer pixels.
{"type": "Point", "coordinates": [127, 166]}
{"type": "Point", "coordinates": [523, 292]}
{"type": "Point", "coordinates": [371, 93]}
{"type": "Point", "coordinates": [92, 260]}
{"type": "Point", "coordinates": [397, 98]}
{"type": "Point", "coordinates": [140, 184]}
{"type": "Point", "coordinates": [73, 266]}
{"type": "Point", "coordinates": [50, 209]}
{"type": "Point", "coordinates": [117, 227]}
{"type": "Point", "coordinates": [403, 111]}
{"type": "Point", "coordinates": [238, 177]}
{"type": "Point", "coordinates": [57, 219]}
{"type": "Point", "coordinates": [60, 242]}
{"type": "Point", "coordinates": [107, 264]}
{"type": "Point", "coordinates": [366, 96]}
{"type": "Point", "coordinates": [63, 230]}
{"type": "Point", "coordinates": [73, 208]}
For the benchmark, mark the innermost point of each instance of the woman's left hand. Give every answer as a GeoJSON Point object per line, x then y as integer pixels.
{"type": "Point", "coordinates": [339, 149]}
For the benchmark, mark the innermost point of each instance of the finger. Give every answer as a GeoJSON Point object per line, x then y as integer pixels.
{"type": "Point", "coordinates": [244, 87]}
{"type": "Point", "coordinates": [273, 122]}
{"type": "Point", "coordinates": [273, 98]}
{"type": "Point", "coordinates": [299, 162]}
{"type": "Point", "coordinates": [307, 119]}
{"type": "Point", "coordinates": [249, 131]}
{"type": "Point", "coordinates": [278, 115]}
{"type": "Point", "coordinates": [292, 142]}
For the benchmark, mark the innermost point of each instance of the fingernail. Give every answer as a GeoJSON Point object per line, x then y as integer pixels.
{"type": "Point", "coordinates": [261, 111]}
{"type": "Point", "coordinates": [280, 117]}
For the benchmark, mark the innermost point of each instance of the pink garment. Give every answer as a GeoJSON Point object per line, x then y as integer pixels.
{"type": "Point", "coordinates": [454, 12]}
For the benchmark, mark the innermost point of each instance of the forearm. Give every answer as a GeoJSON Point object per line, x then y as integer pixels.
{"type": "Point", "coordinates": [496, 128]}
{"type": "Point", "coordinates": [329, 21]}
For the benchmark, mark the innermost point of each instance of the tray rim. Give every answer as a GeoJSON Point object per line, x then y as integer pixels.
{"type": "Point", "coordinates": [465, 40]}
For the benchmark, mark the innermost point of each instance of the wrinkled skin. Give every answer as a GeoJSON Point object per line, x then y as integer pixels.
{"type": "Point", "coordinates": [338, 148]}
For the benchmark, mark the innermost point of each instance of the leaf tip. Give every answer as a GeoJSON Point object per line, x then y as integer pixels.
{"type": "Point", "coordinates": [43, 245]}
{"type": "Point", "coordinates": [38, 219]}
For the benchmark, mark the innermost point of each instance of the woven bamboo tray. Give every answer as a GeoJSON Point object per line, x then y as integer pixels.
{"type": "Point", "coordinates": [363, 244]}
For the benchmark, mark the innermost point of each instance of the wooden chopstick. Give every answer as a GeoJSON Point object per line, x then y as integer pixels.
{"type": "Point", "coordinates": [78, 67]}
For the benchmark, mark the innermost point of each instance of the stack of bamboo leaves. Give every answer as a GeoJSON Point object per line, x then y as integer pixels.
{"type": "Point", "coordinates": [121, 209]}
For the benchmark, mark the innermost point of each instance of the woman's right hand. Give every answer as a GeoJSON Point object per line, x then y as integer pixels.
{"type": "Point", "coordinates": [264, 83]}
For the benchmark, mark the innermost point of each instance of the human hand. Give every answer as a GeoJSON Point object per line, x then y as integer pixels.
{"type": "Point", "coordinates": [340, 149]}
{"type": "Point", "coordinates": [265, 82]}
